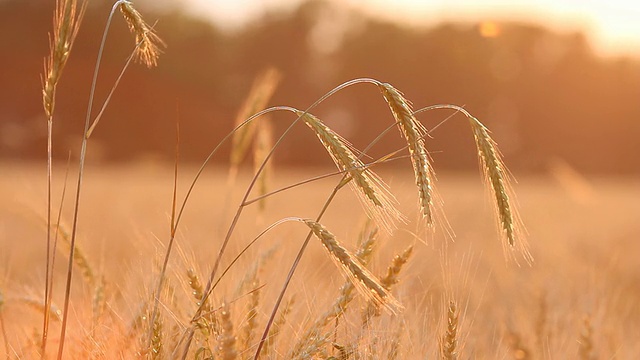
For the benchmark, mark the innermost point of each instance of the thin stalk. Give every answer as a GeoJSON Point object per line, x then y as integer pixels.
{"type": "Point", "coordinates": [48, 262]}
{"type": "Point", "coordinates": [83, 152]}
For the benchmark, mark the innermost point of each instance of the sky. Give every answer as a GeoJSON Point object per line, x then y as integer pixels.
{"type": "Point", "coordinates": [613, 26]}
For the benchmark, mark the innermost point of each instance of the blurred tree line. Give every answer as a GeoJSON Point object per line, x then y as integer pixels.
{"type": "Point", "coordinates": [546, 96]}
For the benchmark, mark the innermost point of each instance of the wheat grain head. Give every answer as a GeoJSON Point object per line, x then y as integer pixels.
{"type": "Point", "coordinates": [414, 133]}
{"type": "Point", "coordinates": [148, 41]}
{"type": "Point", "coordinates": [361, 278]}
{"type": "Point", "coordinates": [372, 192]}
{"type": "Point", "coordinates": [261, 91]}
{"type": "Point", "coordinates": [497, 177]}
{"type": "Point", "coordinates": [227, 339]}
{"type": "Point", "coordinates": [66, 23]}
{"type": "Point", "coordinates": [449, 342]}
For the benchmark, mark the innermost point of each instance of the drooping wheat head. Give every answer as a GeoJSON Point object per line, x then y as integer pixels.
{"type": "Point", "coordinates": [497, 176]}
{"type": "Point", "coordinates": [149, 42]}
{"type": "Point", "coordinates": [414, 133]}
{"type": "Point", "coordinates": [361, 278]}
{"type": "Point", "coordinates": [372, 192]}
{"type": "Point", "coordinates": [316, 336]}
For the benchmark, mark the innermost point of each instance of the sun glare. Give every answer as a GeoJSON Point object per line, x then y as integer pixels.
{"type": "Point", "coordinates": [489, 29]}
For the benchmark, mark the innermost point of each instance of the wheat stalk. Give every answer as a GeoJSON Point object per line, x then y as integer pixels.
{"type": "Point", "coordinates": [362, 278]}
{"type": "Point", "coordinates": [372, 192]}
{"type": "Point", "coordinates": [148, 49]}
{"type": "Point", "coordinates": [414, 133]}
{"type": "Point", "coordinates": [66, 22]}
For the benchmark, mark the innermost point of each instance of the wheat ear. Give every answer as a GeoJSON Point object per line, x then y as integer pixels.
{"type": "Point", "coordinates": [414, 133]}
{"type": "Point", "coordinates": [227, 339]}
{"type": "Point", "coordinates": [361, 278]}
{"type": "Point", "coordinates": [149, 49]}
{"type": "Point", "coordinates": [449, 342]}
{"type": "Point", "coordinates": [498, 178]}
{"type": "Point", "coordinates": [261, 91]}
{"type": "Point", "coordinates": [390, 279]}
{"type": "Point", "coordinates": [313, 338]}
{"type": "Point", "coordinates": [372, 192]}
{"type": "Point", "coordinates": [586, 339]}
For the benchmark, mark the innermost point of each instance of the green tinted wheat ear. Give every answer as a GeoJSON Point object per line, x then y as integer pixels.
{"type": "Point", "coordinates": [362, 278]}
{"type": "Point", "coordinates": [414, 133]}
{"type": "Point", "coordinates": [498, 178]}
{"type": "Point", "coordinates": [148, 49]}
{"type": "Point", "coordinates": [371, 190]}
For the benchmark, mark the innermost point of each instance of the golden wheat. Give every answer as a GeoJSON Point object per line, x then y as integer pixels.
{"type": "Point", "coordinates": [66, 23]}
{"type": "Point", "coordinates": [390, 279]}
{"type": "Point", "coordinates": [148, 49]}
{"type": "Point", "coordinates": [586, 339]}
{"type": "Point", "coordinates": [498, 178]}
{"type": "Point", "coordinates": [449, 342]}
{"type": "Point", "coordinates": [372, 192]}
{"type": "Point", "coordinates": [362, 278]}
{"type": "Point", "coordinates": [226, 340]}
{"type": "Point", "coordinates": [414, 133]}
{"type": "Point", "coordinates": [261, 91]}
{"type": "Point", "coordinates": [314, 337]}
{"type": "Point", "coordinates": [261, 149]}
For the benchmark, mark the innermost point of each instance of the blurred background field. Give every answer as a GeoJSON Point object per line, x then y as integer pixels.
{"type": "Point", "coordinates": [543, 84]}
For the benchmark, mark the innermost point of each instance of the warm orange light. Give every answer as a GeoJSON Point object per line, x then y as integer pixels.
{"type": "Point", "coordinates": [489, 29]}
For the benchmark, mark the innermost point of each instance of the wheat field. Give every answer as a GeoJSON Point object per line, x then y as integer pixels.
{"type": "Point", "coordinates": [577, 300]}
{"type": "Point", "coordinates": [173, 261]}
